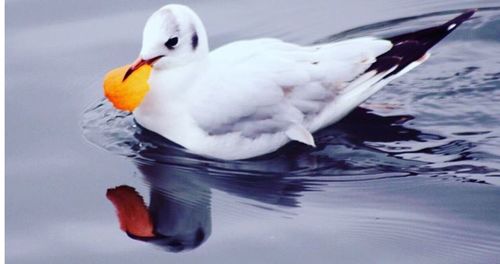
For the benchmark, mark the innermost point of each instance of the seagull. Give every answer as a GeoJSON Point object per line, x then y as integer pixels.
{"type": "Point", "coordinates": [251, 97]}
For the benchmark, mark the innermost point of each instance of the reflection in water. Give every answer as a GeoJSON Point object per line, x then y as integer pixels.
{"type": "Point", "coordinates": [52, 215]}
{"type": "Point", "coordinates": [407, 215]}
{"type": "Point", "coordinates": [168, 222]}
{"type": "Point", "coordinates": [178, 216]}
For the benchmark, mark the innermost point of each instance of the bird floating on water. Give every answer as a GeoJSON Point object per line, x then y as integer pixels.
{"type": "Point", "coordinates": [251, 97]}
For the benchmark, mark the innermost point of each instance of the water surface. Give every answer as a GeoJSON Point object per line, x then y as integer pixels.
{"type": "Point", "coordinates": [410, 177]}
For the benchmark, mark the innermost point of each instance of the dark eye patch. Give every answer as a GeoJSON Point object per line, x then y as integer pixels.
{"type": "Point", "coordinates": [194, 41]}
{"type": "Point", "coordinates": [172, 42]}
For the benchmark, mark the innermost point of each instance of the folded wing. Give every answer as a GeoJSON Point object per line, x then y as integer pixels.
{"type": "Point", "coordinates": [269, 87]}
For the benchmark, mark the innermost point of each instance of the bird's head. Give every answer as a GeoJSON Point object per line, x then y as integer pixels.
{"type": "Point", "coordinates": [173, 36]}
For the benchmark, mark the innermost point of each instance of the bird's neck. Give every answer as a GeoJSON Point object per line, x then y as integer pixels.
{"type": "Point", "coordinates": [172, 82]}
{"type": "Point", "coordinates": [164, 108]}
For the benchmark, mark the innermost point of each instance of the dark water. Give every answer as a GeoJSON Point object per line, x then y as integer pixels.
{"type": "Point", "coordinates": [412, 176]}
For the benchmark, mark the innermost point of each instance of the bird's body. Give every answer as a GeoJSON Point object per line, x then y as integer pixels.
{"type": "Point", "coordinates": [246, 97]}
{"type": "Point", "coordinates": [249, 98]}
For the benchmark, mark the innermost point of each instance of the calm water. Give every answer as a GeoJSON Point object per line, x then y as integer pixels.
{"type": "Point", "coordinates": [412, 176]}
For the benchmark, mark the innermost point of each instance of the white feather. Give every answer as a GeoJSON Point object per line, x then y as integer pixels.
{"type": "Point", "coordinates": [249, 98]}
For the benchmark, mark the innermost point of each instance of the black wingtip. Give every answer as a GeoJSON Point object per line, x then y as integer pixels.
{"type": "Point", "coordinates": [460, 19]}
{"type": "Point", "coordinates": [413, 46]}
{"type": "Point", "coordinates": [464, 16]}
{"type": "Point", "coordinates": [435, 34]}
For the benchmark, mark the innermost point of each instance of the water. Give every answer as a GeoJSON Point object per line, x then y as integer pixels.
{"type": "Point", "coordinates": [410, 177]}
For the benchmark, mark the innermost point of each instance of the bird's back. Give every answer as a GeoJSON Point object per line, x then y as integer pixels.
{"type": "Point", "coordinates": [266, 85]}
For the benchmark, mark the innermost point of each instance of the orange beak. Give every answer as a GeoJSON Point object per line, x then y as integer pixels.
{"type": "Point", "coordinates": [138, 63]}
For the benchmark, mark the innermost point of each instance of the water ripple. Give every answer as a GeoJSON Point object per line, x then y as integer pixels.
{"type": "Point", "coordinates": [376, 175]}
{"type": "Point", "coordinates": [427, 129]}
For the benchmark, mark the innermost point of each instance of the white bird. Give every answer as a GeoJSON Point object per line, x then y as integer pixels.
{"type": "Point", "coordinates": [251, 97]}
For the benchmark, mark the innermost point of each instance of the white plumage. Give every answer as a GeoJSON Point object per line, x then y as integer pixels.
{"type": "Point", "coordinates": [249, 98]}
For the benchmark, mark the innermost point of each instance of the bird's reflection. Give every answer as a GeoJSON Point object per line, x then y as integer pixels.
{"type": "Point", "coordinates": [179, 217]}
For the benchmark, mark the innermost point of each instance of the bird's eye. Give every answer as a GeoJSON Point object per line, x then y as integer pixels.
{"type": "Point", "coordinates": [171, 43]}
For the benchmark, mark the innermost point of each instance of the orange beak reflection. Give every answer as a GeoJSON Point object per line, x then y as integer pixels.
{"type": "Point", "coordinates": [132, 213]}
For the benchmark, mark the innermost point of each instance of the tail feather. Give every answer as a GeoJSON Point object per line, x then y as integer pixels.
{"type": "Point", "coordinates": [411, 47]}
{"type": "Point", "coordinates": [408, 51]}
